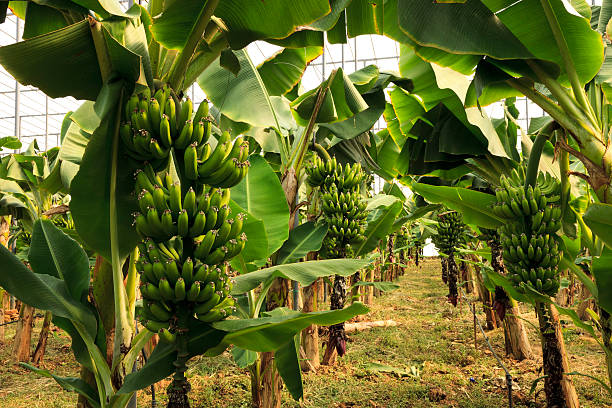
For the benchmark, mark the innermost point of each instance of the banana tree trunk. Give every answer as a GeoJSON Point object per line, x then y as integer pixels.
{"type": "Point", "coordinates": [453, 272]}
{"type": "Point", "coordinates": [23, 333]}
{"type": "Point", "coordinates": [41, 347]}
{"type": "Point", "coordinates": [606, 332]}
{"type": "Point", "coordinates": [559, 388]}
{"type": "Point", "coordinates": [487, 302]}
{"type": "Point", "coordinates": [278, 296]}
{"type": "Point", "coordinates": [336, 344]}
{"type": "Point", "coordinates": [310, 335]}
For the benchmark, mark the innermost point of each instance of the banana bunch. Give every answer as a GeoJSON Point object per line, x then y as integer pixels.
{"type": "Point", "coordinates": [152, 125]}
{"type": "Point", "coordinates": [341, 202]}
{"type": "Point", "coordinates": [172, 284]}
{"type": "Point", "coordinates": [223, 167]}
{"type": "Point", "coordinates": [322, 173]}
{"type": "Point", "coordinates": [528, 238]}
{"type": "Point", "coordinates": [205, 217]}
{"type": "Point", "coordinates": [451, 231]}
{"type": "Point", "coordinates": [402, 238]}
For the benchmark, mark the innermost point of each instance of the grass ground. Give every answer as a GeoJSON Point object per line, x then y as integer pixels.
{"type": "Point", "coordinates": [433, 337]}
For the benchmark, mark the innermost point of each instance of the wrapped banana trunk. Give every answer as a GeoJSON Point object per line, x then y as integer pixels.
{"type": "Point", "coordinates": [529, 236]}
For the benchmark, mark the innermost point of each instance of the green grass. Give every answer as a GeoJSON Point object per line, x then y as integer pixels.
{"type": "Point", "coordinates": [431, 334]}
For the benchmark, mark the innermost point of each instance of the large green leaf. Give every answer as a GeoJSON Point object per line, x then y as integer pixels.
{"type": "Point", "coordinates": [42, 291]}
{"type": "Point", "coordinates": [178, 21]}
{"type": "Point", "coordinates": [261, 194]}
{"type": "Point", "coordinates": [71, 384]}
{"type": "Point", "coordinates": [258, 20]}
{"type": "Point", "coordinates": [282, 71]}
{"type": "Point", "coordinates": [237, 95]}
{"type": "Point", "coordinates": [476, 207]}
{"type": "Point", "coordinates": [271, 332]}
{"type": "Point", "coordinates": [60, 63]}
{"type": "Point", "coordinates": [599, 218]}
{"type": "Point", "coordinates": [470, 28]}
{"type": "Point", "coordinates": [54, 253]}
{"type": "Point", "coordinates": [256, 246]}
{"type": "Point", "coordinates": [302, 240]}
{"type": "Point", "coordinates": [303, 272]}
{"type": "Point", "coordinates": [41, 20]}
{"type": "Point", "coordinates": [602, 271]}
{"type": "Point", "coordinates": [287, 363]}
{"type": "Point", "coordinates": [105, 177]}
{"type": "Point", "coordinates": [341, 102]}
{"type": "Point", "coordinates": [505, 30]}
{"type": "Point", "coordinates": [380, 224]}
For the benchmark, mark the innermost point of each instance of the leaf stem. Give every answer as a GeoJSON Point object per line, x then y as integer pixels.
{"type": "Point", "coordinates": [262, 296]}
{"type": "Point", "coordinates": [311, 123]}
{"type": "Point", "coordinates": [564, 50]}
{"type": "Point", "coordinates": [122, 322]}
{"type": "Point", "coordinates": [177, 72]}
{"type": "Point", "coordinates": [534, 157]}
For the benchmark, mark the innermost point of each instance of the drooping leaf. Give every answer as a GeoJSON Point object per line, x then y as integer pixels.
{"type": "Point", "coordinates": [379, 226]}
{"type": "Point", "coordinates": [599, 218]}
{"type": "Point", "coordinates": [282, 71]}
{"type": "Point", "coordinates": [54, 253]}
{"type": "Point", "coordinates": [42, 291]}
{"type": "Point", "coordinates": [105, 177]}
{"type": "Point", "coordinates": [475, 206]}
{"type": "Point", "coordinates": [60, 63]}
{"type": "Point", "coordinates": [303, 272]}
{"type": "Point", "coordinates": [72, 384]}
{"type": "Point", "coordinates": [236, 96]}
{"type": "Point", "coordinates": [287, 363]}
{"type": "Point", "coordinates": [271, 332]}
{"type": "Point", "coordinates": [202, 337]}
{"type": "Point", "coordinates": [261, 194]}
{"type": "Point", "coordinates": [248, 22]}
{"type": "Point", "coordinates": [305, 238]}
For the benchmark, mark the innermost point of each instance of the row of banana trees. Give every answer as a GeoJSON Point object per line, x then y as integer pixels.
{"type": "Point", "coordinates": [550, 51]}
{"type": "Point", "coordinates": [101, 53]}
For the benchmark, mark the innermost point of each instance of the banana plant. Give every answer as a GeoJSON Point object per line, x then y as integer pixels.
{"type": "Point", "coordinates": [100, 52]}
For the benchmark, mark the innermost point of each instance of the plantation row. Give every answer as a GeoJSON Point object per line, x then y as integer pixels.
{"type": "Point", "coordinates": [189, 229]}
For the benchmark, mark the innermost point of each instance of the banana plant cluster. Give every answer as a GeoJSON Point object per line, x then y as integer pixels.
{"type": "Point", "coordinates": [189, 234]}
{"type": "Point", "coordinates": [529, 235]}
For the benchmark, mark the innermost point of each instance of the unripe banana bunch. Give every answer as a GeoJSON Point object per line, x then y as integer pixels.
{"type": "Point", "coordinates": [487, 235]}
{"type": "Point", "coordinates": [349, 204]}
{"type": "Point", "coordinates": [342, 204]}
{"type": "Point", "coordinates": [224, 167]}
{"type": "Point", "coordinates": [451, 231]}
{"type": "Point", "coordinates": [204, 217]}
{"type": "Point", "coordinates": [330, 172]}
{"type": "Point", "coordinates": [528, 238]}
{"type": "Point", "coordinates": [152, 125]}
{"type": "Point", "coordinates": [172, 285]}
{"type": "Point", "coordinates": [401, 239]}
